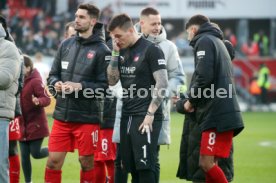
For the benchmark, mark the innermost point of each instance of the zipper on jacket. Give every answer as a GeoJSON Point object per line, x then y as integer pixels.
{"type": "Point", "coordinates": [71, 76]}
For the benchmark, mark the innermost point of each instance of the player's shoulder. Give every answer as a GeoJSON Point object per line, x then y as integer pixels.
{"type": "Point", "coordinates": [168, 46]}
{"type": "Point", "coordinates": [68, 41]}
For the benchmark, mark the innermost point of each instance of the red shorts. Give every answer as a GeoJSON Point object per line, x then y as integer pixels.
{"type": "Point", "coordinates": [106, 148]}
{"type": "Point", "coordinates": [14, 130]}
{"type": "Point", "coordinates": [216, 144]}
{"type": "Point", "coordinates": [65, 136]}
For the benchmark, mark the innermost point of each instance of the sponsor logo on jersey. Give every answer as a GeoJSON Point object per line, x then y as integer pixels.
{"type": "Point", "coordinates": [128, 70]}
{"type": "Point", "coordinates": [161, 61]}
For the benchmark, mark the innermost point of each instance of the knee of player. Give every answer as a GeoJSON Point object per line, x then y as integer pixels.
{"type": "Point", "coordinates": [54, 164]}
{"type": "Point", "coordinates": [13, 151]}
{"type": "Point", "coordinates": [87, 162]}
{"type": "Point", "coordinates": [205, 163]}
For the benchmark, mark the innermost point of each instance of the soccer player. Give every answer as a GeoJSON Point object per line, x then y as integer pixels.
{"type": "Point", "coordinates": [218, 115]}
{"type": "Point", "coordinates": [14, 136]}
{"type": "Point", "coordinates": [14, 133]}
{"type": "Point", "coordinates": [104, 158]}
{"type": "Point", "coordinates": [190, 144]}
{"type": "Point", "coordinates": [79, 68]}
{"type": "Point", "coordinates": [151, 28]}
{"type": "Point", "coordinates": [142, 72]}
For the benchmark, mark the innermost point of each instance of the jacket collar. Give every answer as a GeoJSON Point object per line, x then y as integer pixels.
{"type": "Point", "coordinates": [155, 39]}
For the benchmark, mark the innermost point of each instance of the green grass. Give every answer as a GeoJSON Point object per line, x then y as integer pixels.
{"type": "Point", "coordinates": [253, 163]}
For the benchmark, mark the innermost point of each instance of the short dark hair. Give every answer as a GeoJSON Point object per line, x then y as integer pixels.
{"type": "Point", "coordinates": [149, 11]}
{"type": "Point", "coordinates": [230, 49]}
{"type": "Point", "coordinates": [92, 10]}
{"type": "Point", "coordinates": [3, 21]}
{"type": "Point", "coordinates": [28, 62]}
{"type": "Point", "coordinates": [122, 21]}
{"type": "Point", "coordinates": [197, 20]}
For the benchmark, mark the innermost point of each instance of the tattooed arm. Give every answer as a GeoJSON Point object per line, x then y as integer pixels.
{"type": "Point", "coordinates": [113, 74]}
{"type": "Point", "coordinates": [161, 79]}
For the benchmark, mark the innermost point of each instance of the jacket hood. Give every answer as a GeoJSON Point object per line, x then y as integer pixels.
{"type": "Point", "coordinates": [155, 39]}
{"type": "Point", "coordinates": [207, 29]}
{"type": "Point", "coordinates": [33, 75]}
{"type": "Point", "coordinates": [2, 31]}
{"type": "Point", "coordinates": [97, 36]}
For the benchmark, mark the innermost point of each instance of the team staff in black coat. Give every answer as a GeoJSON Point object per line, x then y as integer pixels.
{"type": "Point", "coordinates": [190, 144]}
{"type": "Point", "coordinates": [212, 96]}
{"type": "Point", "coordinates": [78, 69]}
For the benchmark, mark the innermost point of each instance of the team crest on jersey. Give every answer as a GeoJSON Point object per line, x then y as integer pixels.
{"type": "Point", "coordinates": [90, 55]}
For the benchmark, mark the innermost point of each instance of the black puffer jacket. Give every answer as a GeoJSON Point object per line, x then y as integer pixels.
{"type": "Point", "coordinates": [213, 71]}
{"type": "Point", "coordinates": [109, 112]}
{"type": "Point", "coordinates": [110, 101]}
{"type": "Point", "coordinates": [82, 61]}
{"type": "Point", "coordinates": [188, 167]}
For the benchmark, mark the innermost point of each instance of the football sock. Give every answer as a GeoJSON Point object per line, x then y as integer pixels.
{"type": "Point", "coordinates": [14, 169]}
{"type": "Point", "coordinates": [86, 176]}
{"type": "Point", "coordinates": [110, 170]}
{"type": "Point", "coordinates": [52, 176]}
{"type": "Point", "coordinates": [99, 172]}
{"type": "Point", "coordinates": [215, 175]}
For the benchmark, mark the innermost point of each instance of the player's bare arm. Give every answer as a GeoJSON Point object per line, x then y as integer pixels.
{"type": "Point", "coordinates": [113, 71]}
{"type": "Point", "coordinates": [113, 74]}
{"type": "Point", "coordinates": [158, 95]}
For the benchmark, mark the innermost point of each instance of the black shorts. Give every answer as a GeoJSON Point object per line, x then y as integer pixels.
{"type": "Point", "coordinates": [136, 151]}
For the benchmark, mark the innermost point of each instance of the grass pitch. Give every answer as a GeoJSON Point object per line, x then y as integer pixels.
{"type": "Point", "coordinates": [254, 153]}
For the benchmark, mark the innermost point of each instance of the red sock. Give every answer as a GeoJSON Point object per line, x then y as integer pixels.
{"type": "Point", "coordinates": [14, 169]}
{"type": "Point", "coordinates": [215, 175]}
{"type": "Point", "coordinates": [52, 176]}
{"type": "Point", "coordinates": [87, 176]}
{"type": "Point", "coordinates": [99, 172]}
{"type": "Point", "coordinates": [110, 170]}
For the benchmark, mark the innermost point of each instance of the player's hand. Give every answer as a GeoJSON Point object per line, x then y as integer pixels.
{"type": "Point", "coordinates": [58, 86]}
{"type": "Point", "coordinates": [188, 106]}
{"type": "Point", "coordinates": [35, 100]}
{"type": "Point", "coordinates": [147, 124]}
{"type": "Point", "coordinates": [69, 86]}
{"type": "Point", "coordinates": [175, 99]}
{"type": "Point", "coordinates": [115, 44]}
